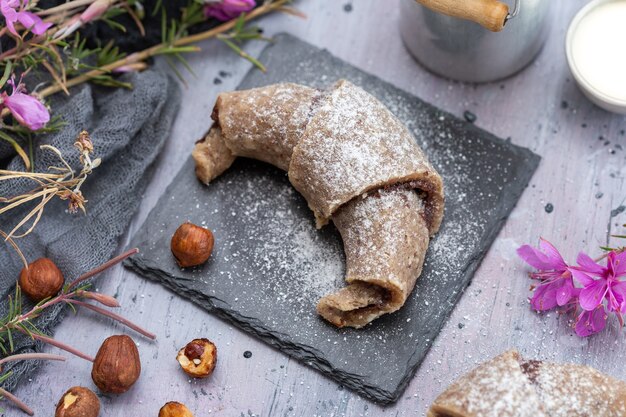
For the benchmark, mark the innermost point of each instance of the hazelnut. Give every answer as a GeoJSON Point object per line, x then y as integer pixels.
{"type": "Point", "coordinates": [117, 366]}
{"type": "Point", "coordinates": [191, 245]}
{"type": "Point", "coordinates": [78, 402]}
{"type": "Point", "coordinates": [174, 409]}
{"type": "Point", "coordinates": [198, 358]}
{"type": "Point", "coordinates": [42, 279]}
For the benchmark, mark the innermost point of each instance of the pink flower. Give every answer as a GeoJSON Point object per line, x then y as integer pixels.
{"type": "Point", "coordinates": [591, 322]}
{"type": "Point", "coordinates": [26, 109]}
{"type": "Point", "coordinates": [9, 9]}
{"type": "Point", "coordinates": [556, 286]}
{"type": "Point", "coordinates": [607, 284]}
{"type": "Point", "coordinates": [227, 9]}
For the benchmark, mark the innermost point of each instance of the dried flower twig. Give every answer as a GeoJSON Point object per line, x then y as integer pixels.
{"type": "Point", "coordinates": [61, 181]}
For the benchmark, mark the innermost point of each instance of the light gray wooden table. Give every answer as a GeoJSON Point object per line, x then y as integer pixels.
{"type": "Point", "coordinates": [582, 175]}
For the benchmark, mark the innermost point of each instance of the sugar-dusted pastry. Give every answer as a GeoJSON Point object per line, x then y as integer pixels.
{"type": "Point", "coordinates": [510, 386]}
{"type": "Point", "coordinates": [357, 165]}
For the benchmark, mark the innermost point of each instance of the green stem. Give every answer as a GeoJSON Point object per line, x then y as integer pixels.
{"type": "Point", "coordinates": [20, 151]}
{"type": "Point", "coordinates": [31, 153]}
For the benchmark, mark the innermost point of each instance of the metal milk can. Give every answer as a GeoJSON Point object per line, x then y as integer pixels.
{"type": "Point", "coordinates": [475, 40]}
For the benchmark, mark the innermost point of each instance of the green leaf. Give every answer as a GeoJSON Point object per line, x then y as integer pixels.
{"type": "Point", "coordinates": [244, 54]}
{"type": "Point", "coordinates": [171, 50]}
{"type": "Point", "coordinates": [241, 22]}
{"type": "Point", "coordinates": [7, 74]}
{"type": "Point", "coordinates": [20, 151]}
{"type": "Point", "coordinates": [108, 81]}
{"type": "Point", "coordinates": [157, 7]}
{"type": "Point", "coordinates": [176, 72]}
{"type": "Point", "coordinates": [114, 25]}
{"type": "Point", "coordinates": [183, 61]}
{"type": "Point", "coordinates": [108, 54]}
{"type": "Point", "coordinates": [72, 307]}
{"type": "Point", "coordinates": [10, 336]}
{"type": "Point", "coordinates": [5, 376]}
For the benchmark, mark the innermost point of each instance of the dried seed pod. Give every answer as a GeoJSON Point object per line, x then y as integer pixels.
{"type": "Point", "coordinates": [78, 402]}
{"type": "Point", "coordinates": [174, 409]}
{"type": "Point", "coordinates": [198, 358]}
{"type": "Point", "coordinates": [117, 365]}
{"type": "Point", "coordinates": [191, 245]}
{"type": "Point", "coordinates": [42, 279]}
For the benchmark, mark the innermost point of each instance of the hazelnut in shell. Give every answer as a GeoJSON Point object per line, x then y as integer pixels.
{"type": "Point", "coordinates": [78, 402]}
{"type": "Point", "coordinates": [191, 245]}
{"type": "Point", "coordinates": [198, 358]}
{"type": "Point", "coordinates": [174, 409]}
{"type": "Point", "coordinates": [117, 365]}
{"type": "Point", "coordinates": [42, 279]}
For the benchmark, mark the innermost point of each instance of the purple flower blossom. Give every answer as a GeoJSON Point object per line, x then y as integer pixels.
{"type": "Point", "coordinates": [26, 109]}
{"type": "Point", "coordinates": [597, 289]}
{"type": "Point", "coordinates": [607, 284]}
{"type": "Point", "coordinates": [556, 287]}
{"type": "Point", "coordinates": [591, 322]}
{"type": "Point", "coordinates": [227, 9]}
{"type": "Point", "coordinates": [13, 12]}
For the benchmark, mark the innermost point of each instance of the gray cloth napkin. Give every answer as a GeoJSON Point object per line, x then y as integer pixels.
{"type": "Point", "coordinates": [128, 129]}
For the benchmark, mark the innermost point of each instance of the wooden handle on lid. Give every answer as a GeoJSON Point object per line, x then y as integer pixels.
{"type": "Point", "coordinates": [491, 14]}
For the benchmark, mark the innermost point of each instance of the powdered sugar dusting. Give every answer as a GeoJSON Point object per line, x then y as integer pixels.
{"type": "Point", "coordinates": [569, 390]}
{"type": "Point", "coordinates": [497, 388]}
{"type": "Point", "coordinates": [352, 144]}
{"type": "Point", "coordinates": [483, 177]}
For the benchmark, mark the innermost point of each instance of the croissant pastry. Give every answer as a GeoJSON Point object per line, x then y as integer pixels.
{"type": "Point", "coordinates": [357, 165]}
{"type": "Point", "coordinates": [510, 386]}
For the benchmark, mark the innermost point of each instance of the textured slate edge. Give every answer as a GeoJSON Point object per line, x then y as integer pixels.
{"type": "Point", "coordinates": [311, 356]}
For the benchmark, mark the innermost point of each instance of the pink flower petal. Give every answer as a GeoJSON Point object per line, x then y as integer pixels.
{"type": "Point", "coordinates": [228, 9]}
{"type": "Point", "coordinates": [552, 253]}
{"type": "Point", "coordinates": [589, 265]}
{"type": "Point", "coordinates": [592, 295]}
{"type": "Point", "coordinates": [591, 322]}
{"type": "Point", "coordinates": [619, 293]}
{"type": "Point", "coordinates": [544, 297]}
{"type": "Point", "coordinates": [618, 261]}
{"type": "Point", "coordinates": [27, 110]}
{"type": "Point", "coordinates": [564, 292]}
{"type": "Point", "coordinates": [581, 277]}
{"type": "Point", "coordinates": [33, 22]}
{"type": "Point", "coordinates": [534, 258]}
{"type": "Point", "coordinates": [7, 8]}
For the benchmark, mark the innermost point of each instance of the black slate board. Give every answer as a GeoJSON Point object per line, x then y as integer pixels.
{"type": "Point", "coordinates": [270, 265]}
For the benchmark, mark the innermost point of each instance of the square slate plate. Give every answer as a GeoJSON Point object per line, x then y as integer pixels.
{"type": "Point", "coordinates": [270, 265]}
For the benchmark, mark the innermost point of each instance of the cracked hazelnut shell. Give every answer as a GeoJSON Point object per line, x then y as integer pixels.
{"type": "Point", "coordinates": [78, 402]}
{"type": "Point", "coordinates": [191, 245]}
{"type": "Point", "coordinates": [117, 366]}
{"type": "Point", "coordinates": [42, 279]}
{"type": "Point", "coordinates": [198, 358]}
{"type": "Point", "coordinates": [174, 409]}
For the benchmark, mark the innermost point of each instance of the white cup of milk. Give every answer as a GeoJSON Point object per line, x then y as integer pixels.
{"type": "Point", "coordinates": [596, 52]}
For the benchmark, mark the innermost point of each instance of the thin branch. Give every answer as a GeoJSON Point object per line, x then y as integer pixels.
{"type": "Point", "coordinates": [114, 316]}
{"type": "Point", "coordinates": [6, 394]}
{"type": "Point", "coordinates": [64, 7]}
{"type": "Point", "coordinates": [32, 356]}
{"type": "Point", "coordinates": [160, 48]}
{"type": "Point", "coordinates": [104, 266]}
{"type": "Point", "coordinates": [17, 248]}
{"type": "Point", "coordinates": [60, 345]}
